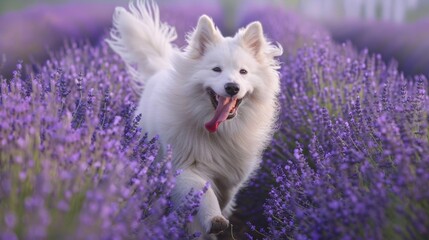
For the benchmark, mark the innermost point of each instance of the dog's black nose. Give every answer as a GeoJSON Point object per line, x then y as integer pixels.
{"type": "Point", "coordinates": [232, 88]}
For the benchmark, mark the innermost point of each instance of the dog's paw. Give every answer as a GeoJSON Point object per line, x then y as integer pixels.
{"type": "Point", "coordinates": [218, 225]}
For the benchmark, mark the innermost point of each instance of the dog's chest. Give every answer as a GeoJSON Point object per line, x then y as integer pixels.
{"type": "Point", "coordinates": [218, 157]}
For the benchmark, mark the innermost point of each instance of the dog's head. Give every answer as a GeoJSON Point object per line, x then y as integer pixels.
{"type": "Point", "coordinates": [232, 70]}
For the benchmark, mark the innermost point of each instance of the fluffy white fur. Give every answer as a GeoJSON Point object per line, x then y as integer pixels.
{"type": "Point", "coordinates": [175, 103]}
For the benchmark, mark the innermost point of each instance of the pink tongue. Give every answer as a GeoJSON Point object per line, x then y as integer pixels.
{"type": "Point", "coordinates": [225, 104]}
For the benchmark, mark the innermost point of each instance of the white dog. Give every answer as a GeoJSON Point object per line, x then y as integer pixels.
{"type": "Point", "coordinates": [214, 103]}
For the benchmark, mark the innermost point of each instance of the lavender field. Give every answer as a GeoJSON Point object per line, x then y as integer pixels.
{"type": "Point", "coordinates": [349, 160]}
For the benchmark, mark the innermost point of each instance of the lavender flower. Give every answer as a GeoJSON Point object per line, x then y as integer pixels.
{"type": "Point", "coordinates": [353, 134]}
{"type": "Point", "coordinates": [74, 163]}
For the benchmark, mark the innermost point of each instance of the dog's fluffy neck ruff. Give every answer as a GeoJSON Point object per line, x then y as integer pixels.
{"type": "Point", "coordinates": [224, 148]}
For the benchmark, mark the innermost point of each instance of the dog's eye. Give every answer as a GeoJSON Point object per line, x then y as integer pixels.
{"type": "Point", "coordinates": [243, 71]}
{"type": "Point", "coordinates": [217, 69]}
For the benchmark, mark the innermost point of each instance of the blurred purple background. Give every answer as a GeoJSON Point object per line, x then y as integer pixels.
{"type": "Point", "coordinates": [27, 34]}
{"type": "Point", "coordinates": [396, 29]}
{"type": "Point", "coordinates": [407, 43]}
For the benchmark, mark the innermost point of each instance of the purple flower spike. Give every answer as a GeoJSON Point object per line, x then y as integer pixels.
{"type": "Point", "coordinates": [74, 162]}
{"type": "Point", "coordinates": [349, 157]}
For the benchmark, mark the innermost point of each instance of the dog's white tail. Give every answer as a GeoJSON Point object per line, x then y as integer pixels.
{"type": "Point", "coordinates": [143, 42]}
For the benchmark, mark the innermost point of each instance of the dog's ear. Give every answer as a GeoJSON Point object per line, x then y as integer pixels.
{"type": "Point", "coordinates": [204, 35]}
{"type": "Point", "coordinates": [253, 38]}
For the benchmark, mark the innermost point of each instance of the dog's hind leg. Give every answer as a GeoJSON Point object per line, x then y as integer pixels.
{"type": "Point", "coordinates": [210, 218]}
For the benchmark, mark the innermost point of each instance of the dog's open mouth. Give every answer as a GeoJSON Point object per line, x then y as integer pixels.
{"type": "Point", "coordinates": [225, 108]}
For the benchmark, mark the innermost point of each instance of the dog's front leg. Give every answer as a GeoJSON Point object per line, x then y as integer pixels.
{"type": "Point", "coordinates": [210, 219]}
